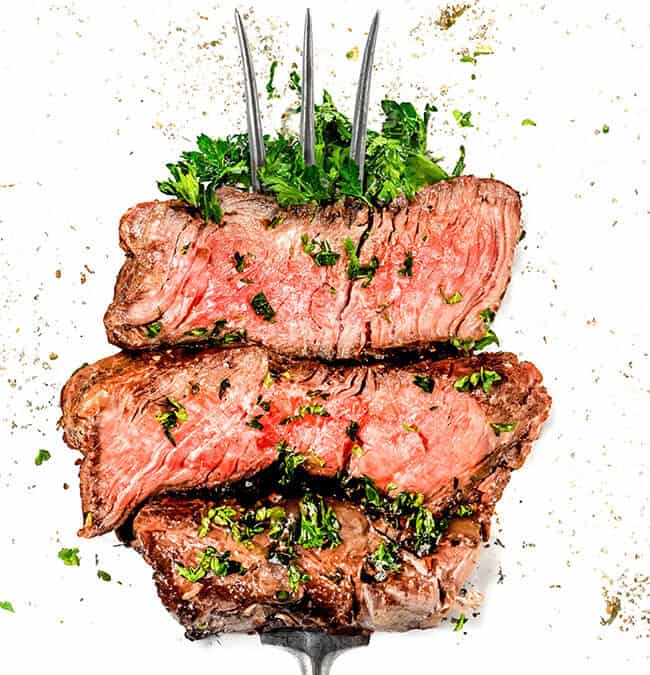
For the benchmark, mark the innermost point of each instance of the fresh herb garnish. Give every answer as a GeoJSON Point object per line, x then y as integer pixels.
{"type": "Point", "coordinates": [288, 463]}
{"type": "Point", "coordinates": [459, 623]}
{"type": "Point", "coordinates": [409, 427]}
{"type": "Point", "coordinates": [234, 336]}
{"type": "Point", "coordinates": [218, 564]}
{"type": "Point", "coordinates": [484, 378]}
{"type": "Point", "coordinates": [270, 87]}
{"type": "Point", "coordinates": [385, 560]}
{"type": "Point", "coordinates": [262, 308]}
{"type": "Point", "coordinates": [352, 429]}
{"type": "Point", "coordinates": [460, 164]}
{"type": "Point", "coordinates": [153, 329]}
{"type": "Point", "coordinates": [355, 269]}
{"type": "Point", "coordinates": [42, 456]}
{"type": "Point", "coordinates": [306, 409]}
{"type": "Point", "coordinates": [397, 161]}
{"type": "Point", "coordinates": [70, 557]}
{"type": "Point", "coordinates": [224, 385]}
{"type": "Point", "coordinates": [319, 526]}
{"type": "Point", "coordinates": [464, 510]}
{"type": "Point", "coordinates": [185, 248]}
{"type": "Point", "coordinates": [7, 606]}
{"type": "Point", "coordinates": [240, 261]}
{"type": "Point", "coordinates": [197, 332]}
{"type": "Point", "coordinates": [169, 419]}
{"type": "Point", "coordinates": [186, 185]}
{"type": "Point", "coordinates": [500, 428]}
{"type": "Point", "coordinates": [296, 577]}
{"type": "Point", "coordinates": [265, 405]}
{"type": "Point", "coordinates": [489, 337]}
{"type": "Point", "coordinates": [406, 270]}
{"type": "Point", "coordinates": [425, 382]}
{"type": "Point", "coordinates": [324, 256]}
{"type": "Point", "coordinates": [463, 119]}
{"type": "Point", "coordinates": [452, 299]}
{"type": "Point", "coordinates": [104, 576]}
{"type": "Point", "coordinates": [254, 422]}
{"type": "Point", "coordinates": [294, 79]}
{"type": "Point", "coordinates": [269, 379]}
{"type": "Point", "coordinates": [528, 122]}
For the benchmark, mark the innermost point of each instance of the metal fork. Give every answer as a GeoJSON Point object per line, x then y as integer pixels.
{"type": "Point", "coordinates": [307, 136]}
{"type": "Point", "coordinates": [315, 650]}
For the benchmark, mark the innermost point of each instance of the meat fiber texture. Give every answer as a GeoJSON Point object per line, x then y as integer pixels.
{"type": "Point", "coordinates": [339, 596]}
{"type": "Point", "coordinates": [240, 405]}
{"type": "Point", "coordinates": [443, 258]}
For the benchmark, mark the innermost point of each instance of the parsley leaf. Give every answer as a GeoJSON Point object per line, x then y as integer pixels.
{"type": "Point", "coordinates": [270, 87]}
{"type": "Point", "coordinates": [484, 378]}
{"type": "Point", "coordinates": [42, 456]}
{"type": "Point", "coordinates": [296, 577]}
{"type": "Point", "coordinates": [70, 557]}
{"type": "Point", "coordinates": [153, 329]}
{"type": "Point", "coordinates": [324, 257]}
{"type": "Point", "coordinates": [239, 261]}
{"type": "Point", "coordinates": [104, 576]}
{"type": "Point", "coordinates": [460, 164]}
{"type": "Point", "coordinates": [355, 269]}
{"type": "Point", "coordinates": [185, 185]}
{"type": "Point", "coordinates": [528, 122]}
{"type": "Point", "coordinates": [169, 419]}
{"type": "Point", "coordinates": [500, 428]}
{"type": "Point", "coordinates": [406, 270]}
{"type": "Point", "coordinates": [460, 623]}
{"type": "Point", "coordinates": [385, 560]}
{"type": "Point", "coordinates": [262, 308]}
{"type": "Point", "coordinates": [452, 299]}
{"type": "Point", "coordinates": [463, 119]}
{"type": "Point", "coordinates": [210, 561]}
{"type": "Point", "coordinates": [425, 382]}
{"type": "Point", "coordinates": [319, 526]}
{"type": "Point", "coordinates": [7, 606]}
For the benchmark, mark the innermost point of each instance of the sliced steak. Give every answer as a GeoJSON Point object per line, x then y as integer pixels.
{"type": "Point", "coordinates": [438, 262]}
{"type": "Point", "coordinates": [341, 594]}
{"type": "Point", "coordinates": [175, 420]}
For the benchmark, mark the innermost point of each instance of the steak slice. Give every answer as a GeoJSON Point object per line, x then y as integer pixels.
{"type": "Point", "coordinates": [175, 420]}
{"type": "Point", "coordinates": [342, 593]}
{"type": "Point", "coordinates": [281, 277]}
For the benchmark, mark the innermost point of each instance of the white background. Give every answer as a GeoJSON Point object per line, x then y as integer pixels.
{"type": "Point", "coordinates": [96, 97]}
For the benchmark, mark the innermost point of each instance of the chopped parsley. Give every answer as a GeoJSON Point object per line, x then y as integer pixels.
{"type": "Point", "coordinates": [224, 385]}
{"type": "Point", "coordinates": [294, 79]}
{"type": "Point", "coordinates": [254, 422]}
{"type": "Point", "coordinates": [489, 337]}
{"type": "Point", "coordinates": [7, 606]}
{"type": "Point", "coordinates": [406, 270]}
{"type": "Point", "coordinates": [464, 510]}
{"type": "Point", "coordinates": [355, 269]}
{"type": "Point", "coordinates": [385, 560]}
{"type": "Point", "coordinates": [70, 557]}
{"type": "Point", "coordinates": [319, 526]}
{"type": "Point", "coordinates": [483, 378]}
{"type": "Point", "coordinates": [262, 308]}
{"type": "Point", "coordinates": [197, 332]}
{"type": "Point", "coordinates": [324, 256]}
{"type": "Point", "coordinates": [304, 410]}
{"type": "Point", "coordinates": [104, 576]}
{"type": "Point", "coordinates": [296, 577]}
{"type": "Point", "coordinates": [170, 419]}
{"type": "Point", "coordinates": [42, 456]}
{"type": "Point", "coordinates": [270, 87]}
{"type": "Point", "coordinates": [605, 128]}
{"type": "Point", "coordinates": [463, 119]}
{"type": "Point", "coordinates": [352, 430]}
{"type": "Point", "coordinates": [452, 299]}
{"type": "Point", "coordinates": [357, 450]}
{"type": "Point", "coordinates": [425, 382]}
{"type": "Point", "coordinates": [528, 122]}
{"type": "Point", "coordinates": [219, 564]}
{"type": "Point", "coordinates": [288, 463]}
{"type": "Point", "coordinates": [153, 329]}
{"type": "Point", "coordinates": [185, 248]}
{"type": "Point", "coordinates": [459, 623]}
{"type": "Point", "coordinates": [240, 261]}
{"type": "Point", "coordinates": [500, 428]}
{"type": "Point", "coordinates": [217, 337]}
{"type": "Point", "coordinates": [409, 427]}
{"type": "Point", "coordinates": [269, 379]}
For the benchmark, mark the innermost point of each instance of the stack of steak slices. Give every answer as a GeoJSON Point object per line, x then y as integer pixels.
{"type": "Point", "coordinates": [270, 477]}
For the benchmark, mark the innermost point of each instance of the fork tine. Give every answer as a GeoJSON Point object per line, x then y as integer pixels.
{"type": "Point", "coordinates": [360, 120]}
{"type": "Point", "coordinates": [257, 154]}
{"type": "Point", "coordinates": [307, 134]}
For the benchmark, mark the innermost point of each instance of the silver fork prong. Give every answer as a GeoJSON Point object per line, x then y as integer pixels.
{"type": "Point", "coordinates": [360, 120]}
{"type": "Point", "coordinates": [257, 154]}
{"type": "Point", "coordinates": [307, 133]}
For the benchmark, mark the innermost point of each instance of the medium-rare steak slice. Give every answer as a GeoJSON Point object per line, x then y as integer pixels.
{"type": "Point", "coordinates": [175, 420]}
{"type": "Point", "coordinates": [213, 583]}
{"type": "Point", "coordinates": [328, 282]}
